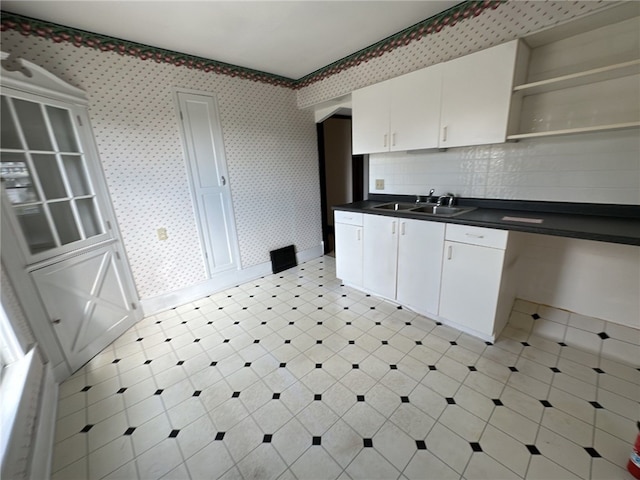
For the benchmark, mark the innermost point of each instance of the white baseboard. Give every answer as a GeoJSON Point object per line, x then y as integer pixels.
{"type": "Point", "coordinates": [42, 453]}
{"type": "Point", "coordinates": [160, 303]}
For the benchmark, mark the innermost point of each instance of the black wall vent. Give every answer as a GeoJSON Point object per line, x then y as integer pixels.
{"type": "Point", "coordinates": [283, 258]}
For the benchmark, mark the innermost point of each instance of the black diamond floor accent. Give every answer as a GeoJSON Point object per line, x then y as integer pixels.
{"type": "Point", "coordinates": [276, 396]}
{"type": "Point", "coordinates": [318, 342]}
{"type": "Point", "coordinates": [598, 370]}
{"type": "Point", "coordinates": [372, 308]}
{"type": "Point", "coordinates": [367, 442]}
{"type": "Point", "coordinates": [247, 364]}
{"type": "Point", "coordinates": [404, 399]}
{"type": "Point", "coordinates": [219, 436]}
{"type": "Point", "coordinates": [545, 403]}
{"type": "Point", "coordinates": [378, 323]}
{"type": "Point", "coordinates": [168, 340]}
{"type": "Point", "coordinates": [475, 446]}
{"type": "Point", "coordinates": [418, 342]}
{"type": "Point", "coordinates": [316, 441]}
{"type": "Point", "coordinates": [399, 307]}
{"type": "Point", "coordinates": [603, 335]}
{"type": "Point", "coordinates": [348, 323]}
{"type": "Point", "coordinates": [197, 393]}
{"type": "Point", "coordinates": [421, 445]}
{"type": "Point", "coordinates": [213, 364]}
{"type": "Point", "coordinates": [317, 397]}
{"type": "Point", "coordinates": [513, 369]}
{"type": "Point", "coordinates": [158, 392]}
{"type": "Point", "coordinates": [256, 341]}
{"type": "Point", "coordinates": [196, 340]}
{"type": "Point", "coordinates": [453, 343]}
{"type": "Point", "coordinates": [267, 438]}
{"type": "Point", "coordinates": [562, 344]}
{"type": "Point", "coordinates": [525, 344]}
{"type": "Point", "coordinates": [181, 362]}
{"type": "Point", "coordinates": [472, 368]}
{"type": "Point", "coordinates": [535, 316]}
{"type": "Point", "coordinates": [360, 398]}
{"type": "Point", "coordinates": [226, 340]}
{"type": "Point", "coordinates": [129, 431]}
{"type": "Point", "coordinates": [318, 365]}
{"type": "Point", "coordinates": [497, 402]}
{"type": "Point", "coordinates": [438, 323]}
{"type": "Point", "coordinates": [355, 366]}
{"type": "Point", "coordinates": [533, 450]}
{"type": "Point", "coordinates": [384, 342]}
{"type": "Point", "coordinates": [147, 362]}
{"type": "Point", "coordinates": [488, 344]}
{"type": "Point", "coordinates": [86, 428]}
{"type": "Point", "coordinates": [86, 389]}
{"type": "Point", "coordinates": [286, 342]}
{"type": "Point", "coordinates": [282, 365]}
{"type": "Point", "coordinates": [352, 342]}
{"type": "Point", "coordinates": [451, 401]}
{"type": "Point", "coordinates": [407, 323]}
{"type": "Point", "coordinates": [596, 405]}
{"type": "Point", "coordinates": [393, 367]}
{"type": "Point", "coordinates": [116, 360]}
{"type": "Point", "coordinates": [122, 390]}
{"type": "Point", "coordinates": [432, 367]}
{"type": "Point", "coordinates": [141, 338]}
{"type": "Point", "coordinates": [555, 370]}
{"type": "Point", "coordinates": [593, 452]}
{"type": "Point", "coordinates": [235, 394]}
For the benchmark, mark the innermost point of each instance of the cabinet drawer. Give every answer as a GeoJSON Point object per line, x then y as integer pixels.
{"type": "Point", "coordinates": [486, 237]}
{"type": "Point", "coordinates": [350, 218]}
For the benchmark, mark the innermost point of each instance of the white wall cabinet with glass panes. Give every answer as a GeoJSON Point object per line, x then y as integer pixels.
{"type": "Point", "coordinates": [56, 212]}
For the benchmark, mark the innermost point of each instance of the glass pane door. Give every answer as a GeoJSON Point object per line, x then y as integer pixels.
{"type": "Point", "coordinates": [45, 177]}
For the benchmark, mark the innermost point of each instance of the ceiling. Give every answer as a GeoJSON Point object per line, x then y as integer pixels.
{"type": "Point", "coordinates": [287, 38]}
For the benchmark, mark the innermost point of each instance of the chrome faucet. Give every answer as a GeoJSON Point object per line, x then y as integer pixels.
{"type": "Point", "coordinates": [449, 198]}
{"type": "Point", "coordinates": [419, 198]}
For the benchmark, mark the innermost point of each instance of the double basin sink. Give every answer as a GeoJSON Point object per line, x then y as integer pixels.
{"type": "Point", "coordinates": [425, 209]}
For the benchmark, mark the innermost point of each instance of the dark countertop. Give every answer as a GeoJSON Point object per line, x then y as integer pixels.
{"type": "Point", "coordinates": [600, 222]}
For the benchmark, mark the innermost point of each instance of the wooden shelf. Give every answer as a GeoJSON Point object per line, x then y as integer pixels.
{"type": "Point", "coordinates": [609, 72]}
{"type": "Point", "coordinates": [570, 131]}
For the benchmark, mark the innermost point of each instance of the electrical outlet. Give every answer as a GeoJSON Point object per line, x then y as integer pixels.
{"type": "Point", "coordinates": [380, 184]}
{"type": "Point", "coordinates": [162, 234]}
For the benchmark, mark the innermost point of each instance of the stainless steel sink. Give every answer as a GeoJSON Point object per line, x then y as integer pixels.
{"type": "Point", "coordinates": [395, 206]}
{"type": "Point", "coordinates": [442, 211]}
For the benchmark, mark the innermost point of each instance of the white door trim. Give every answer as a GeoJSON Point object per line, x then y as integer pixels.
{"type": "Point", "coordinates": [192, 188]}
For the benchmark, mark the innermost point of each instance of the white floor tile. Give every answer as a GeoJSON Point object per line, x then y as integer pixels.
{"type": "Point", "coordinates": [316, 463]}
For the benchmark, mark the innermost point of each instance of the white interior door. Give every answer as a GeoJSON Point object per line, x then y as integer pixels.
{"type": "Point", "coordinates": [209, 180]}
{"type": "Point", "coordinates": [88, 301]}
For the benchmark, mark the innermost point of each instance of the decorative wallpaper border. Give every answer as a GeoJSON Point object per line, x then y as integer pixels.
{"type": "Point", "coordinates": [80, 38]}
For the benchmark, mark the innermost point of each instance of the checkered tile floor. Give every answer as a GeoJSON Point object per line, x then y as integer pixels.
{"type": "Point", "coordinates": [295, 376]}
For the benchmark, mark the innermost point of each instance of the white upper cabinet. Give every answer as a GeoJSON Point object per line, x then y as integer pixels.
{"type": "Point", "coordinates": [397, 115]}
{"type": "Point", "coordinates": [415, 110]}
{"type": "Point", "coordinates": [476, 96]}
{"type": "Point", "coordinates": [370, 118]}
{"type": "Point", "coordinates": [462, 102]}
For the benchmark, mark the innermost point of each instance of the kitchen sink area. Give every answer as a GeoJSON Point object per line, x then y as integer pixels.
{"type": "Point", "coordinates": [432, 209]}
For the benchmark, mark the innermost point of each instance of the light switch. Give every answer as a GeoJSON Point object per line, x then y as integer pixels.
{"type": "Point", "coordinates": [162, 233]}
{"type": "Point", "coordinates": [380, 184]}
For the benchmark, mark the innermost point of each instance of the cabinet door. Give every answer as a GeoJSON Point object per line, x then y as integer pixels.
{"type": "Point", "coordinates": [89, 301]}
{"type": "Point", "coordinates": [476, 94]}
{"type": "Point", "coordinates": [420, 264]}
{"type": "Point", "coordinates": [415, 109]}
{"type": "Point", "coordinates": [348, 240]}
{"type": "Point", "coordinates": [380, 255]}
{"type": "Point", "coordinates": [470, 285]}
{"type": "Point", "coordinates": [370, 119]}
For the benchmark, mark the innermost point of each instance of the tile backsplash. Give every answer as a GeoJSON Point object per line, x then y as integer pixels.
{"type": "Point", "coordinates": [595, 168]}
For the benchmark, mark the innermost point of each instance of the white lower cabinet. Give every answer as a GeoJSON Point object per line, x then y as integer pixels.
{"type": "Point", "coordinates": [402, 261]}
{"type": "Point", "coordinates": [472, 275]}
{"type": "Point", "coordinates": [348, 247]}
{"type": "Point", "coordinates": [380, 255]}
{"type": "Point", "coordinates": [460, 275]}
{"type": "Point", "coordinates": [419, 264]}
